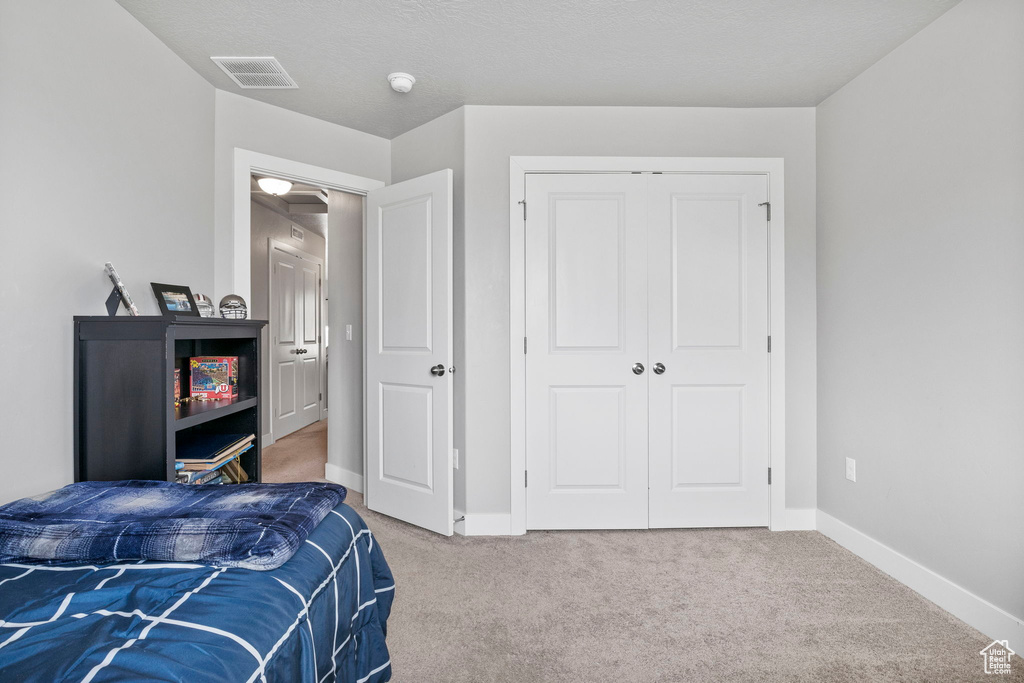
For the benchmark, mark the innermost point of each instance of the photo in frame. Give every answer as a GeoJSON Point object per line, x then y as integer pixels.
{"type": "Point", "coordinates": [175, 300]}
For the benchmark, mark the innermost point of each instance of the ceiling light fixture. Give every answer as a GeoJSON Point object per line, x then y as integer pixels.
{"type": "Point", "coordinates": [274, 186]}
{"type": "Point", "coordinates": [401, 82]}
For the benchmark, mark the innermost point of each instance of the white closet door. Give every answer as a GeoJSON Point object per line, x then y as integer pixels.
{"type": "Point", "coordinates": [586, 298]}
{"type": "Point", "coordinates": [708, 269]}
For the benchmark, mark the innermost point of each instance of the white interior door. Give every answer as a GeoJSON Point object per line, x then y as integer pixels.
{"type": "Point", "coordinates": [586, 327]}
{"type": "Point", "coordinates": [295, 340]}
{"type": "Point", "coordinates": [409, 350]}
{"type": "Point", "coordinates": [708, 275]}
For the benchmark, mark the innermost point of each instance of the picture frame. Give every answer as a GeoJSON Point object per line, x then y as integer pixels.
{"type": "Point", "coordinates": [121, 292]}
{"type": "Point", "coordinates": [175, 300]}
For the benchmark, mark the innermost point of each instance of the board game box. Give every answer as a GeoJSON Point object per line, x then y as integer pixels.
{"type": "Point", "coordinates": [214, 377]}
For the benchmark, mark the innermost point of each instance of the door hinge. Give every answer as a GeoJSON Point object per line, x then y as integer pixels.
{"type": "Point", "coordinates": [321, 396]}
{"type": "Point", "coordinates": [769, 343]}
{"type": "Point", "coordinates": [523, 202]}
{"type": "Point", "coordinates": [524, 346]}
{"type": "Point", "coordinates": [769, 205]}
{"type": "Point", "coordinates": [769, 476]}
{"type": "Point", "coordinates": [526, 480]}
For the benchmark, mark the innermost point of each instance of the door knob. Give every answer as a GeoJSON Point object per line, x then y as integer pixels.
{"type": "Point", "coordinates": [659, 368]}
{"type": "Point", "coordinates": [638, 368]}
{"type": "Point", "coordinates": [437, 370]}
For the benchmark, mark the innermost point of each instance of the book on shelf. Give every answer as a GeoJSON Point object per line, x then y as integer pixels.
{"type": "Point", "coordinates": [206, 448]}
{"type": "Point", "coordinates": [204, 477]}
{"type": "Point", "coordinates": [217, 462]}
{"type": "Point", "coordinates": [227, 466]}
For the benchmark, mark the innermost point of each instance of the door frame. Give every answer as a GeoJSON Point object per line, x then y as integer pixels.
{"type": "Point", "coordinates": [245, 163]}
{"type": "Point", "coordinates": [773, 168]}
{"type": "Point", "coordinates": [321, 304]}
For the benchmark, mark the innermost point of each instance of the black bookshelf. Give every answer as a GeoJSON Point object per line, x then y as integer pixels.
{"type": "Point", "coordinates": [126, 423]}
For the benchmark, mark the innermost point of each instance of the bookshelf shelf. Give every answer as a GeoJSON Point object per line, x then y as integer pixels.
{"type": "Point", "coordinates": [126, 423]}
{"type": "Point", "coordinates": [196, 413]}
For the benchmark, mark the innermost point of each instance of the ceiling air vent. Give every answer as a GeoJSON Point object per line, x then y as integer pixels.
{"type": "Point", "coordinates": [255, 72]}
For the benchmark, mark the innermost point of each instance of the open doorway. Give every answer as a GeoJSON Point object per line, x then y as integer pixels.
{"type": "Point", "coordinates": [291, 232]}
{"type": "Point", "coordinates": [341, 311]}
{"type": "Point", "coordinates": [289, 252]}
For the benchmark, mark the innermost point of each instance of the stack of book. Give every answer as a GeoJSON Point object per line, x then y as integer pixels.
{"type": "Point", "coordinates": [211, 458]}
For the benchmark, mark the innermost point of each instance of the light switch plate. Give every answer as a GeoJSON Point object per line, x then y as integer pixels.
{"type": "Point", "coordinates": [851, 469]}
{"type": "Point", "coordinates": [348, 333]}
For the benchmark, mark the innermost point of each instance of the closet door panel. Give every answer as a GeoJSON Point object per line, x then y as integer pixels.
{"type": "Point", "coordinates": [708, 298]}
{"type": "Point", "coordinates": [586, 327]}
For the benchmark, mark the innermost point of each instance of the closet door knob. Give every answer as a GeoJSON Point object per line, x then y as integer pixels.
{"type": "Point", "coordinates": [437, 370]}
{"type": "Point", "coordinates": [659, 368]}
{"type": "Point", "coordinates": [638, 368]}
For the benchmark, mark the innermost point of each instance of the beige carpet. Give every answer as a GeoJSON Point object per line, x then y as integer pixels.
{"type": "Point", "coordinates": [663, 605]}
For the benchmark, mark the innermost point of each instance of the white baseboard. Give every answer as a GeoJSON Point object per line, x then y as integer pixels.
{"type": "Point", "coordinates": [801, 519]}
{"type": "Point", "coordinates": [961, 603]}
{"type": "Point", "coordinates": [267, 440]}
{"type": "Point", "coordinates": [483, 525]}
{"type": "Point", "coordinates": [347, 478]}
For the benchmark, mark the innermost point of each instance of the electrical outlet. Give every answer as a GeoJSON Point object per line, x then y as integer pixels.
{"type": "Point", "coordinates": [455, 457]}
{"type": "Point", "coordinates": [851, 469]}
{"type": "Point", "coordinates": [348, 333]}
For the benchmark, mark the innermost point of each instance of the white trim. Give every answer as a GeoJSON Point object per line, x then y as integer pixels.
{"type": "Point", "coordinates": [347, 478]}
{"type": "Point", "coordinates": [772, 167]}
{"type": "Point", "coordinates": [517, 329]}
{"type": "Point", "coordinates": [247, 162]}
{"type": "Point", "coordinates": [961, 603]}
{"type": "Point", "coordinates": [267, 440]}
{"type": "Point", "coordinates": [483, 524]}
{"type": "Point", "coordinates": [801, 519]}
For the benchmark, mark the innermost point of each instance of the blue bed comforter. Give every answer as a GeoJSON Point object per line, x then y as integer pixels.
{"type": "Point", "coordinates": [320, 617]}
{"type": "Point", "coordinates": [254, 526]}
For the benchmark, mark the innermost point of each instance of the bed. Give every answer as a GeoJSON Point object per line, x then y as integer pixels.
{"type": "Point", "coordinates": [319, 617]}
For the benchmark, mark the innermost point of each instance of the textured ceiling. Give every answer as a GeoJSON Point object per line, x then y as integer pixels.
{"type": "Point", "coordinates": [728, 53]}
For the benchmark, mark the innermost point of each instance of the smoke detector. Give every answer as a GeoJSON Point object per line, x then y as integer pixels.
{"type": "Point", "coordinates": [256, 72]}
{"type": "Point", "coordinates": [401, 82]}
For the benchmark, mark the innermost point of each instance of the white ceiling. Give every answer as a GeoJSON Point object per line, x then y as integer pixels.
{"type": "Point", "coordinates": [728, 53]}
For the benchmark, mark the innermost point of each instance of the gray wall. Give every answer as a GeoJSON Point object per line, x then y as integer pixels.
{"type": "Point", "coordinates": [268, 224]}
{"type": "Point", "coordinates": [493, 134]}
{"type": "Point", "coordinates": [107, 155]}
{"type": "Point", "coordinates": [921, 300]}
{"type": "Point", "coordinates": [434, 146]}
{"type": "Point", "coordinates": [259, 127]}
{"type": "Point", "coordinates": [345, 306]}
